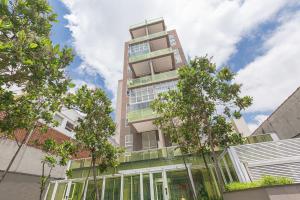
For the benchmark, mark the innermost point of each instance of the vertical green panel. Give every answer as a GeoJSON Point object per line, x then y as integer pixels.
{"type": "Point", "coordinates": [158, 186]}
{"type": "Point", "coordinates": [179, 185]}
{"type": "Point", "coordinates": [76, 192]}
{"type": "Point", "coordinates": [131, 189]}
{"type": "Point", "coordinates": [146, 187]}
{"type": "Point", "coordinates": [60, 192]}
{"type": "Point", "coordinates": [50, 191]}
{"type": "Point", "coordinates": [91, 194]}
{"type": "Point", "coordinates": [112, 188]}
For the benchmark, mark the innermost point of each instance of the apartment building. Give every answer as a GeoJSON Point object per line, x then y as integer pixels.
{"type": "Point", "coordinates": [151, 58]}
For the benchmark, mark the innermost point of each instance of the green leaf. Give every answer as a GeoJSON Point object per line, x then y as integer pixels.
{"type": "Point", "coordinates": [33, 45]}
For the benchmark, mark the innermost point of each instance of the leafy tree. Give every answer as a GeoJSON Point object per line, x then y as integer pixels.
{"type": "Point", "coordinates": [196, 115]}
{"type": "Point", "coordinates": [95, 128]}
{"type": "Point", "coordinates": [31, 65]}
{"type": "Point", "coordinates": [56, 154]}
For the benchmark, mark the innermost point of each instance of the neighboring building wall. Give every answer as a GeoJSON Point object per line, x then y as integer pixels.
{"type": "Point", "coordinates": [28, 160]}
{"type": "Point", "coordinates": [20, 187]}
{"type": "Point", "coordinates": [240, 126]}
{"type": "Point", "coordinates": [283, 192]}
{"type": "Point", "coordinates": [285, 120]}
{"type": "Point", "coordinates": [118, 112]}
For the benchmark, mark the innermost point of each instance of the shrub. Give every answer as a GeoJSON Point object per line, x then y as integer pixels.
{"type": "Point", "coordinates": [264, 181]}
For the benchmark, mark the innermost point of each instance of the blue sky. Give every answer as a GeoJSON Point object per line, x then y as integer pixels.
{"type": "Point", "coordinates": [255, 38]}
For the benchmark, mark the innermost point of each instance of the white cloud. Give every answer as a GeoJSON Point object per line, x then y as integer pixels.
{"type": "Point", "coordinates": [258, 119]}
{"type": "Point", "coordinates": [272, 77]}
{"type": "Point", "coordinates": [100, 28]}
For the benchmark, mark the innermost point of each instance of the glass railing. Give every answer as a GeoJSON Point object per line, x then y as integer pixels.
{"type": "Point", "coordinates": [150, 21]}
{"type": "Point", "coordinates": [161, 153]}
{"type": "Point", "coordinates": [153, 54]}
{"type": "Point", "coordinates": [141, 114]}
{"type": "Point", "coordinates": [148, 37]}
{"type": "Point", "coordinates": [258, 138]}
{"type": "Point", "coordinates": [152, 79]}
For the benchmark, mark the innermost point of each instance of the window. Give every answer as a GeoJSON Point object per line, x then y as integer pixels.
{"type": "Point", "coordinates": [69, 126]}
{"type": "Point", "coordinates": [128, 141]}
{"type": "Point", "coordinates": [141, 98]}
{"type": "Point", "coordinates": [58, 119]}
{"type": "Point", "coordinates": [177, 56]}
{"type": "Point", "coordinates": [149, 140]}
{"type": "Point", "coordinates": [172, 40]}
{"type": "Point", "coordinates": [138, 49]}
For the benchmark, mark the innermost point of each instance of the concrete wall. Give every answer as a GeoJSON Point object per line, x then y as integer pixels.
{"type": "Point", "coordinates": [20, 187]}
{"type": "Point", "coordinates": [285, 192]}
{"type": "Point", "coordinates": [285, 120]}
{"type": "Point", "coordinates": [27, 162]}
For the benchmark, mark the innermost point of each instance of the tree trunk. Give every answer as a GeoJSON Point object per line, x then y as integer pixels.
{"type": "Point", "coordinates": [24, 141]}
{"type": "Point", "coordinates": [94, 176]}
{"type": "Point", "coordinates": [218, 172]}
{"type": "Point", "coordinates": [86, 179]}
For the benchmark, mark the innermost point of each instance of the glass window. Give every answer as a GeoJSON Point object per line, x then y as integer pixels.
{"type": "Point", "coordinates": [177, 56]}
{"type": "Point", "coordinates": [138, 49]}
{"type": "Point", "coordinates": [128, 141]}
{"type": "Point", "coordinates": [90, 193]}
{"type": "Point", "coordinates": [112, 188]}
{"type": "Point", "coordinates": [172, 40]}
{"type": "Point", "coordinates": [131, 188]}
{"type": "Point", "coordinates": [149, 140]}
{"type": "Point", "coordinates": [69, 126]}
{"type": "Point", "coordinates": [179, 185]}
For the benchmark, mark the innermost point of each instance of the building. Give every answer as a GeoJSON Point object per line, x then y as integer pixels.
{"type": "Point", "coordinates": [151, 58]}
{"type": "Point", "coordinates": [24, 175]}
{"type": "Point", "coordinates": [285, 120]}
{"type": "Point", "coordinates": [151, 168]}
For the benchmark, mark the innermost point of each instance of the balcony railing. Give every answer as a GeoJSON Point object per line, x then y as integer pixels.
{"type": "Point", "coordinates": [153, 54]}
{"type": "Point", "coordinates": [166, 153]}
{"type": "Point", "coordinates": [152, 79]}
{"type": "Point", "coordinates": [139, 115]}
{"type": "Point", "coordinates": [148, 37]}
{"type": "Point", "coordinates": [146, 22]}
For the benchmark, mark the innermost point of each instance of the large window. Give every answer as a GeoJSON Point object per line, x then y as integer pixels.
{"type": "Point", "coordinates": [149, 140]}
{"type": "Point", "coordinates": [177, 56]}
{"type": "Point", "coordinates": [138, 49]}
{"type": "Point", "coordinates": [172, 40]}
{"type": "Point", "coordinates": [140, 98]}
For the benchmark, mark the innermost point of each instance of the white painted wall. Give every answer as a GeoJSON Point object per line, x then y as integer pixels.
{"type": "Point", "coordinates": [28, 161]}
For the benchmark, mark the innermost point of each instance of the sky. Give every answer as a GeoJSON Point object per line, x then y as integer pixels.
{"type": "Point", "coordinates": [258, 39]}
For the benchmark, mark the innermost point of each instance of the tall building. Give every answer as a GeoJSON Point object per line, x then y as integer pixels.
{"type": "Point", "coordinates": [151, 59]}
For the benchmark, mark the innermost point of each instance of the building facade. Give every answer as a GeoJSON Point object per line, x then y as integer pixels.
{"type": "Point", "coordinates": [285, 120]}
{"type": "Point", "coordinates": [151, 59]}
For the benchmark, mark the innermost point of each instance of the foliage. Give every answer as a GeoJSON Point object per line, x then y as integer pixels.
{"type": "Point", "coordinates": [264, 181]}
{"type": "Point", "coordinates": [95, 128]}
{"type": "Point", "coordinates": [32, 69]}
{"type": "Point", "coordinates": [56, 154]}
{"type": "Point", "coordinates": [196, 115]}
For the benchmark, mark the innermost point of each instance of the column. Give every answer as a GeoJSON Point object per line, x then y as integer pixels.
{"type": "Point", "coordinates": [161, 139]}
{"type": "Point", "coordinates": [151, 186]}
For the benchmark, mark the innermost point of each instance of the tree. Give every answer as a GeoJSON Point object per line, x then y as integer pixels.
{"type": "Point", "coordinates": [31, 65]}
{"type": "Point", "coordinates": [95, 128]}
{"type": "Point", "coordinates": [196, 115]}
{"type": "Point", "coordinates": [56, 154]}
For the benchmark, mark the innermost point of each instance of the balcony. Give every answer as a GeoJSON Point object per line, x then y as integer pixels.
{"type": "Point", "coordinates": [147, 80]}
{"type": "Point", "coordinates": [151, 55]}
{"type": "Point", "coordinates": [140, 115]}
{"type": "Point", "coordinates": [146, 22]}
{"type": "Point", "coordinates": [148, 37]}
{"type": "Point", "coordinates": [166, 152]}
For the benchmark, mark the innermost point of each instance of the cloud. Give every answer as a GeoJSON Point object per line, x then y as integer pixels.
{"type": "Point", "coordinates": [258, 119]}
{"type": "Point", "coordinates": [100, 28]}
{"type": "Point", "coordinates": [273, 76]}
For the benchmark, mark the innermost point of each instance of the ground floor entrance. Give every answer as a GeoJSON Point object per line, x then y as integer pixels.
{"type": "Point", "coordinates": [157, 183]}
